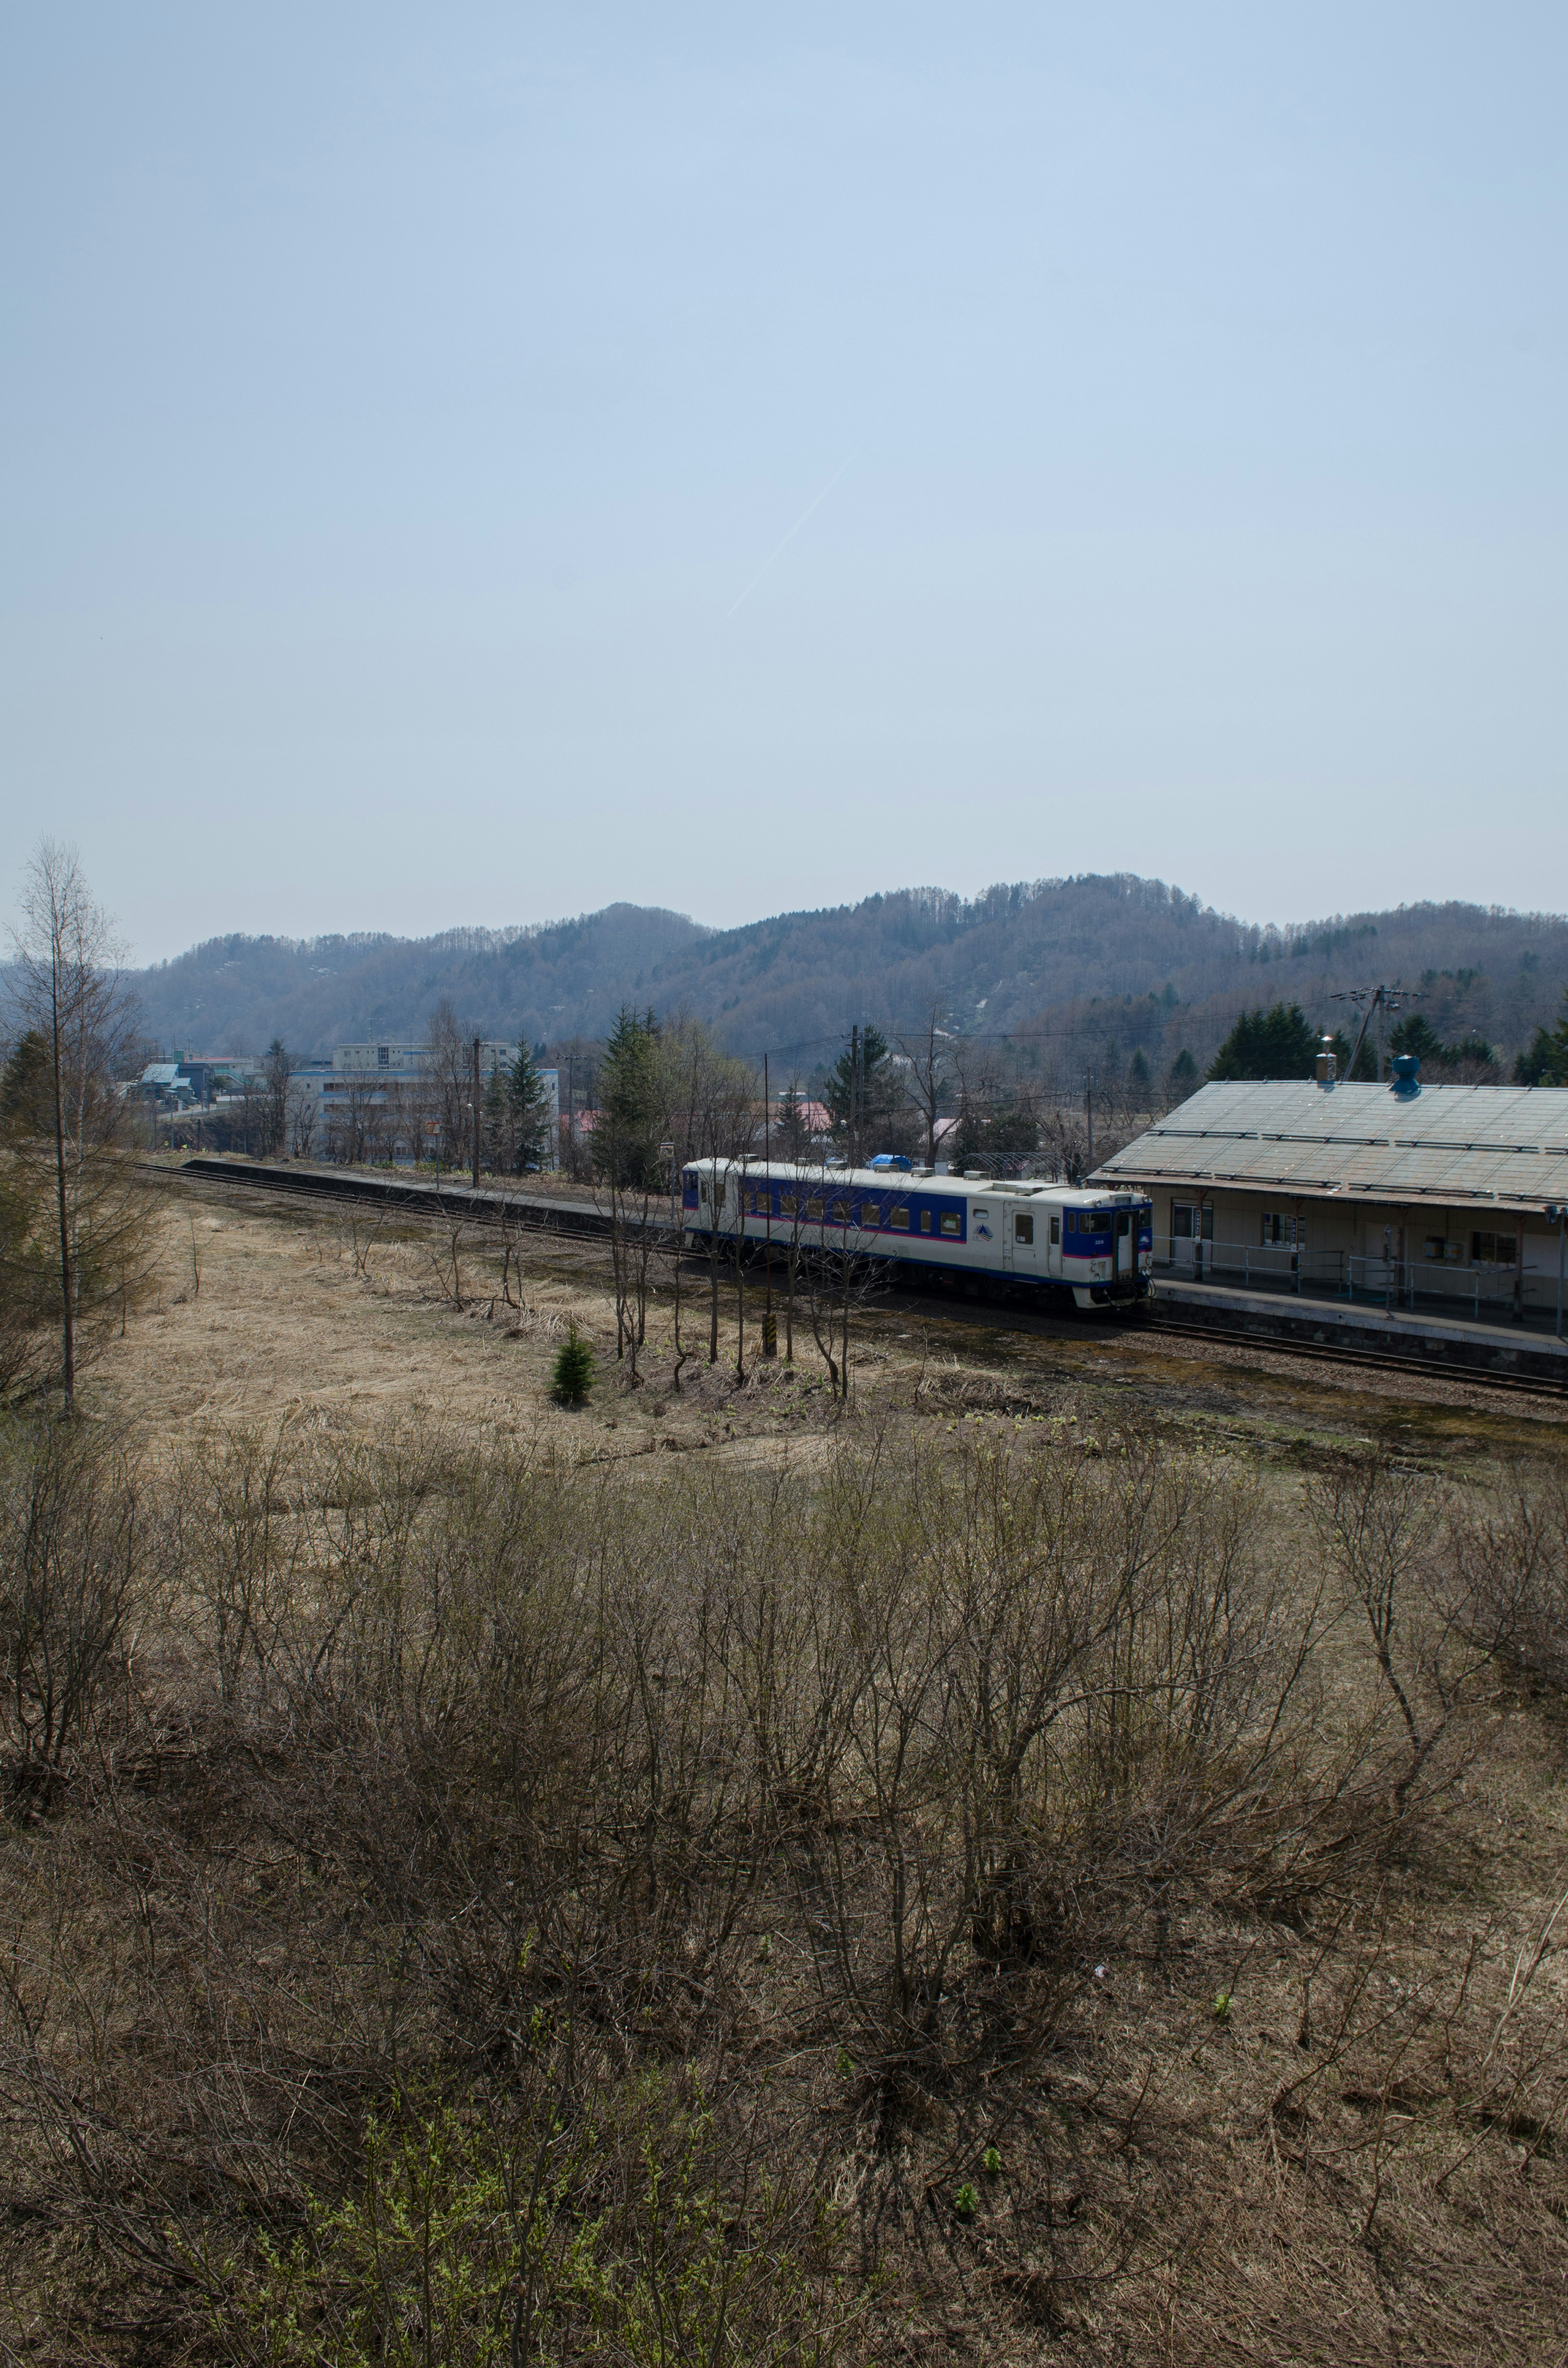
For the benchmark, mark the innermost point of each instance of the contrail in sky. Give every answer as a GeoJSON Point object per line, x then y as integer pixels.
{"type": "Point", "coordinates": [794, 530]}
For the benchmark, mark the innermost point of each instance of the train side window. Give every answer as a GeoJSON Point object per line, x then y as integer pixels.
{"type": "Point", "coordinates": [1023, 1229]}
{"type": "Point", "coordinates": [871, 1213]}
{"type": "Point", "coordinates": [951, 1223]}
{"type": "Point", "coordinates": [841, 1213]}
{"type": "Point", "coordinates": [925, 1220]}
{"type": "Point", "coordinates": [813, 1211]}
{"type": "Point", "coordinates": [1055, 1231]}
{"type": "Point", "coordinates": [788, 1205]}
{"type": "Point", "coordinates": [702, 1189]}
{"type": "Point", "coordinates": [900, 1220]}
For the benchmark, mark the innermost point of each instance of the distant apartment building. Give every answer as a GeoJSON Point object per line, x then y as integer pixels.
{"type": "Point", "coordinates": [390, 1079]}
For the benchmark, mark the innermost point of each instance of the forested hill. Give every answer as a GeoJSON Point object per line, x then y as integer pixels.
{"type": "Point", "coordinates": [1085, 964]}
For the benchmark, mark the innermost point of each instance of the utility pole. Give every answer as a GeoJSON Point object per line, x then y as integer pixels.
{"type": "Point", "coordinates": [770, 1324]}
{"type": "Point", "coordinates": [1089, 1113]}
{"type": "Point", "coordinates": [854, 1098]}
{"type": "Point", "coordinates": [1367, 1000]}
{"type": "Point", "coordinates": [476, 1113]}
{"type": "Point", "coordinates": [571, 1115]}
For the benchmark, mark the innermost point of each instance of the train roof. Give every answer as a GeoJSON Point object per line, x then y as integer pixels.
{"type": "Point", "coordinates": [921, 1180]}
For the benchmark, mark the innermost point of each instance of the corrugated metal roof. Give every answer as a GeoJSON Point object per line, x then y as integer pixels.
{"type": "Point", "coordinates": [1474, 1144]}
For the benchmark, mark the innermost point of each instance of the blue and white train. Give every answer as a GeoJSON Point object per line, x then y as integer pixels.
{"type": "Point", "coordinates": [1049, 1242]}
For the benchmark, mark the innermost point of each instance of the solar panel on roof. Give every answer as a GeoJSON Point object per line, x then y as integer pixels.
{"type": "Point", "coordinates": [1461, 1142]}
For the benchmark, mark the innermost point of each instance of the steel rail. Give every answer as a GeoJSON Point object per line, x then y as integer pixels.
{"type": "Point", "coordinates": [573, 1223]}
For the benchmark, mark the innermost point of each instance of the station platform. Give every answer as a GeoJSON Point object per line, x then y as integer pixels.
{"type": "Point", "coordinates": [1426, 1337]}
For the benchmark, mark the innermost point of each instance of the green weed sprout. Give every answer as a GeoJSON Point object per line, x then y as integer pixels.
{"type": "Point", "coordinates": [573, 1377]}
{"type": "Point", "coordinates": [966, 2202]}
{"type": "Point", "coordinates": [1221, 2006]}
{"type": "Point", "coordinates": [992, 2159]}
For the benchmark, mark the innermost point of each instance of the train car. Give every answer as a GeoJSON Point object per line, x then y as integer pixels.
{"type": "Point", "coordinates": [1048, 1242]}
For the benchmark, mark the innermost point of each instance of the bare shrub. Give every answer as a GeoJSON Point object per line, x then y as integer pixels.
{"type": "Point", "coordinates": [552, 1915]}
{"type": "Point", "coordinates": [1511, 1556]}
{"type": "Point", "coordinates": [72, 1577]}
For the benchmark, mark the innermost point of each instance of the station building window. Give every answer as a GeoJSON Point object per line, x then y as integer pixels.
{"type": "Point", "coordinates": [1494, 1249]}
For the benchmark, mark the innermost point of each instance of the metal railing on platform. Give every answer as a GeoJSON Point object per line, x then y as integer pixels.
{"type": "Point", "coordinates": [1478, 1292]}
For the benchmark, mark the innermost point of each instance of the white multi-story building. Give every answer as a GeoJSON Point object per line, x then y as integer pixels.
{"type": "Point", "coordinates": [360, 1078]}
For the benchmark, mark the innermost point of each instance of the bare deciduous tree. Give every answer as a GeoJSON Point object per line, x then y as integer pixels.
{"type": "Point", "coordinates": [69, 991]}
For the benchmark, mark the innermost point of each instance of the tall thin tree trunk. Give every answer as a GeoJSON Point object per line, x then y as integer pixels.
{"type": "Point", "coordinates": [67, 1263]}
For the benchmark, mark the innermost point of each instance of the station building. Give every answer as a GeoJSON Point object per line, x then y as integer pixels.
{"type": "Point", "coordinates": [1430, 1197]}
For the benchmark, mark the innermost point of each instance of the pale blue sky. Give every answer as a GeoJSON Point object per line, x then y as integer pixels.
{"type": "Point", "coordinates": [394, 403]}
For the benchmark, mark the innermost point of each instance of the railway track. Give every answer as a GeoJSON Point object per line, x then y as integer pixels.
{"type": "Point", "coordinates": [1369, 1360]}
{"type": "Point", "coordinates": [574, 1223]}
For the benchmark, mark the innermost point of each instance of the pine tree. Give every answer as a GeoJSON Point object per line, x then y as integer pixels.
{"type": "Point", "coordinates": [1416, 1034]}
{"type": "Point", "coordinates": [495, 1132]}
{"type": "Point", "coordinates": [528, 1114]}
{"type": "Point", "coordinates": [864, 1098]}
{"type": "Point", "coordinates": [1276, 1043]}
{"type": "Point", "coordinates": [573, 1377]}
{"type": "Point", "coordinates": [625, 1148]}
{"type": "Point", "coordinates": [1546, 1060]}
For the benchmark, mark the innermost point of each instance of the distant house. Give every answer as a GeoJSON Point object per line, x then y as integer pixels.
{"type": "Point", "coordinates": [165, 1083]}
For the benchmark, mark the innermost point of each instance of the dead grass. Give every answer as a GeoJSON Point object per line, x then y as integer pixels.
{"type": "Point", "coordinates": [1277, 2069]}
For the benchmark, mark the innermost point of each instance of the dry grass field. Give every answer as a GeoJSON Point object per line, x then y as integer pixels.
{"type": "Point", "coordinates": [1064, 1860]}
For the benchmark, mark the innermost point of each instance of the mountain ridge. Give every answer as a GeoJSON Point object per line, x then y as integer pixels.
{"type": "Point", "coordinates": [1096, 961]}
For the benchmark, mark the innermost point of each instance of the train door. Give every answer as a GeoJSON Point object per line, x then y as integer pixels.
{"type": "Point", "coordinates": [1052, 1224]}
{"type": "Point", "coordinates": [1024, 1245]}
{"type": "Point", "coordinates": [1125, 1245]}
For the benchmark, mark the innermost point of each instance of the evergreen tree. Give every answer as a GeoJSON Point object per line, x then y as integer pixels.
{"type": "Point", "coordinates": [26, 1083]}
{"type": "Point", "coordinates": [865, 1099]}
{"type": "Point", "coordinates": [1184, 1074]}
{"type": "Point", "coordinates": [625, 1145]}
{"type": "Point", "coordinates": [573, 1377]}
{"type": "Point", "coordinates": [1545, 1063]}
{"type": "Point", "coordinates": [494, 1123]}
{"type": "Point", "coordinates": [1278, 1042]}
{"type": "Point", "coordinates": [528, 1113]}
{"type": "Point", "coordinates": [1416, 1034]}
{"type": "Point", "coordinates": [1365, 1073]}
